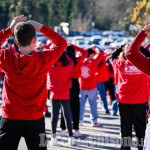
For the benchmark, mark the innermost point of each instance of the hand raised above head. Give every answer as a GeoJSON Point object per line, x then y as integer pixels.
{"type": "Point", "coordinates": [36, 24]}
{"type": "Point", "coordinates": [147, 29]}
{"type": "Point", "coordinates": [16, 20]}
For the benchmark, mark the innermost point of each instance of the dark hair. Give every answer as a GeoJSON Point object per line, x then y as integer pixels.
{"type": "Point", "coordinates": [24, 33]}
{"type": "Point", "coordinates": [70, 51]}
{"type": "Point", "coordinates": [101, 63]}
{"type": "Point", "coordinates": [63, 59]}
{"type": "Point", "coordinates": [90, 51]}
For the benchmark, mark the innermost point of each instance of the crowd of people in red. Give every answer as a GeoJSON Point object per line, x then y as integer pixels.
{"type": "Point", "coordinates": [71, 75]}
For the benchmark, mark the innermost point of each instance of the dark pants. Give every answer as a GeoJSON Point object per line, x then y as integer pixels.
{"type": "Point", "coordinates": [66, 112]}
{"type": "Point", "coordinates": [48, 93]}
{"type": "Point", "coordinates": [75, 105]}
{"type": "Point", "coordinates": [109, 85]}
{"type": "Point", "coordinates": [132, 114]}
{"type": "Point", "coordinates": [11, 132]}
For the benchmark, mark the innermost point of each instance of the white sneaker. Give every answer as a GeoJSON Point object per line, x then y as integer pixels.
{"type": "Point", "coordinates": [71, 141]}
{"type": "Point", "coordinates": [63, 133]}
{"type": "Point", "coordinates": [77, 134]}
{"type": "Point", "coordinates": [53, 142]}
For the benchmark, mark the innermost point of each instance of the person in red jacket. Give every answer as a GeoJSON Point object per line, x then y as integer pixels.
{"type": "Point", "coordinates": [88, 84]}
{"type": "Point", "coordinates": [132, 99]}
{"type": "Point", "coordinates": [24, 91]}
{"type": "Point", "coordinates": [74, 91]}
{"type": "Point", "coordinates": [102, 76]}
{"type": "Point", "coordinates": [109, 85]}
{"type": "Point", "coordinates": [60, 83]}
{"type": "Point", "coordinates": [142, 63]}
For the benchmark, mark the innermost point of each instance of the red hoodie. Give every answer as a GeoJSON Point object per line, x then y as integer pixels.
{"type": "Point", "coordinates": [60, 81]}
{"type": "Point", "coordinates": [87, 81]}
{"type": "Point", "coordinates": [76, 70]}
{"type": "Point", "coordinates": [102, 72]}
{"type": "Point", "coordinates": [24, 91]}
{"type": "Point", "coordinates": [132, 83]}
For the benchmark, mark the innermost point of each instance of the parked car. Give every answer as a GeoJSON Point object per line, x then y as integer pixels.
{"type": "Point", "coordinates": [117, 42]}
{"type": "Point", "coordinates": [77, 40]}
{"type": "Point", "coordinates": [73, 33]}
{"type": "Point", "coordinates": [106, 42]}
{"type": "Point", "coordinates": [95, 39]}
{"type": "Point", "coordinates": [107, 33]}
{"type": "Point", "coordinates": [90, 32]}
{"type": "Point", "coordinates": [118, 32]}
{"type": "Point", "coordinates": [113, 33]}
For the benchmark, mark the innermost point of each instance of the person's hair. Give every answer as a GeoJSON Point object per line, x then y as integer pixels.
{"type": "Point", "coordinates": [90, 51]}
{"type": "Point", "coordinates": [63, 59]}
{"type": "Point", "coordinates": [24, 33]}
{"type": "Point", "coordinates": [70, 51]}
{"type": "Point", "coordinates": [122, 54]}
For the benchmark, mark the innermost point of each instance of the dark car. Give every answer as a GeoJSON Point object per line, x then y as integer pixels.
{"type": "Point", "coordinates": [73, 33]}
{"type": "Point", "coordinates": [90, 32]}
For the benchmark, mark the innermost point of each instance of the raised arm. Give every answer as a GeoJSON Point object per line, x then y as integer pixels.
{"type": "Point", "coordinates": [82, 51]}
{"type": "Point", "coordinates": [99, 54]}
{"type": "Point", "coordinates": [5, 33]}
{"type": "Point", "coordinates": [115, 54]}
{"type": "Point", "coordinates": [98, 57]}
{"type": "Point", "coordinates": [134, 56]}
{"type": "Point", "coordinates": [59, 43]}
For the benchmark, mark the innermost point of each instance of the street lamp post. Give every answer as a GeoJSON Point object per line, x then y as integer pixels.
{"type": "Point", "coordinates": [93, 25]}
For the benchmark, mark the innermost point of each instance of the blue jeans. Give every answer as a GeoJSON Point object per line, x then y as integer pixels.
{"type": "Point", "coordinates": [102, 92]}
{"type": "Point", "coordinates": [147, 137]}
{"type": "Point", "coordinates": [92, 97]}
{"type": "Point", "coordinates": [115, 104]}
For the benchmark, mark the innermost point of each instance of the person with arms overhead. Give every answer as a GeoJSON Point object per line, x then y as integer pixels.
{"type": "Point", "coordinates": [24, 92]}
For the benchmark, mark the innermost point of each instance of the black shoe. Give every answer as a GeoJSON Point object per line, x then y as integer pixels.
{"type": "Point", "coordinates": [107, 112]}
{"type": "Point", "coordinates": [47, 114]}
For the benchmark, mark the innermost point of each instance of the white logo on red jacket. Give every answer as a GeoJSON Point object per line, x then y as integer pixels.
{"type": "Point", "coordinates": [132, 70]}
{"type": "Point", "coordinates": [85, 72]}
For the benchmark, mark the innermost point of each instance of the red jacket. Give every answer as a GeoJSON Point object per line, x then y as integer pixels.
{"type": "Point", "coordinates": [102, 72]}
{"type": "Point", "coordinates": [24, 91]}
{"type": "Point", "coordinates": [87, 81]}
{"type": "Point", "coordinates": [76, 70]}
{"type": "Point", "coordinates": [132, 83]}
{"type": "Point", "coordinates": [60, 81]}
